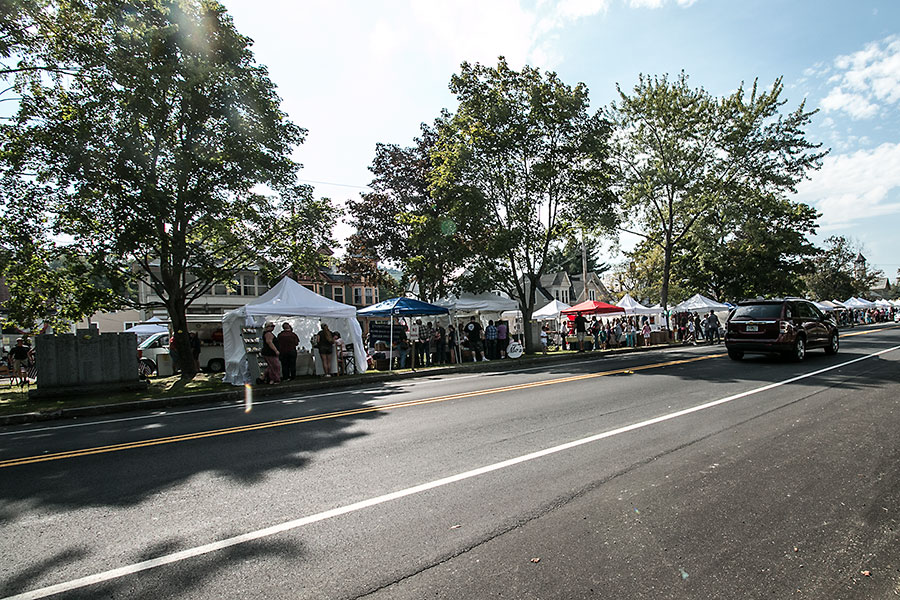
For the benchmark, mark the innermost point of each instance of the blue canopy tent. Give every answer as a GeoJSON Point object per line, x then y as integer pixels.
{"type": "Point", "coordinates": [400, 307]}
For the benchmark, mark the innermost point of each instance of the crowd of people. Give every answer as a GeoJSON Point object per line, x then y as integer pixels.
{"type": "Point", "coordinates": [280, 352]}
{"type": "Point", "coordinates": [628, 331]}
{"type": "Point", "coordinates": [426, 344]}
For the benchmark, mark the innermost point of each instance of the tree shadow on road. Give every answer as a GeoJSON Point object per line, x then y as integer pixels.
{"type": "Point", "coordinates": [275, 437]}
{"type": "Point", "coordinates": [177, 579]}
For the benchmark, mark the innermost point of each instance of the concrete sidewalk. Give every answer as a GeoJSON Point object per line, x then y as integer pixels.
{"type": "Point", "coordinates": [320, 383]}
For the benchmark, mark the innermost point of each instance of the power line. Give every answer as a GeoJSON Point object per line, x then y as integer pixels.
{"type": "Point", "coordinates": [359, 187]}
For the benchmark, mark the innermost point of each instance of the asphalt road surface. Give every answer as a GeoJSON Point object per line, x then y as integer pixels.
{"type": "Point", "coordinates": [668, 474]}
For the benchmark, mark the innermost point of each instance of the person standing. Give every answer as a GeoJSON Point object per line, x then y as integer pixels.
{"type": "Point", "coordinates": [19, 355]}
{"type": "Point", "coordinates": [429, 344]}
{"type": "Point", "coordinates": [440, 345]}
{"type": "Point", "coordinates": [195, 349]}
{"type": "Point", "coordinates": [421, 337]}
{"type": "Point", "coordinates": [452, 346]}
{"type": "Point", "coordinates": [580, 330]}
{"type": "Point", "coordinates": [402, 345]}
{"type": "Point", "coordinates": [473, 331]}
{"type": "Point", "coordinates": [325, 345]}
{"type": "Point", "coordinates": [287, 348]}
{"type": "Point", "coordinates": [645, 330]}
{"type": "Point", "coordinates": [712, 328]}
{"type": "Point", "coordinates": [270, 353]}
{"type": "Point", "coordinates": [502, 338]}
{"type": "Point", "coordinates": [490, 340]}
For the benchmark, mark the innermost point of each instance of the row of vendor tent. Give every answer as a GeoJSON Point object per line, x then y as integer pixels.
{"type": "Point", "coordinates": [288, 302]}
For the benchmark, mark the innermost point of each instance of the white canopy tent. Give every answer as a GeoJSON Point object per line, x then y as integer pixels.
{"type": "Point", "coordinates": [547, 312]}
{"type": "Point", "coordinates": [468, 304]}
{"type": "Point", "coordinates": [550, 311]}
{"type": "Point", "coordinates": [700, 303]}
{"type": "Point", "coordinates": [633, 307]}
{"type": "Point", "coordinates": [147, 329]}
{"type": "Point", "coordinates": [858, 303]}
{"type": "Point", "coordinates": [304, 309]}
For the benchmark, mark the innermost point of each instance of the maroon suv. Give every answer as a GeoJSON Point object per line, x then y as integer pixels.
{"type": "Point", "coordinates": [790, 327]}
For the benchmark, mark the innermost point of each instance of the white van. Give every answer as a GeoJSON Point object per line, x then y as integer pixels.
{"type": "Point", "coordinates": [153, 355]}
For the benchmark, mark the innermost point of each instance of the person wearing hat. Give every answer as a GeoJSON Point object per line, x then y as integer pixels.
{"type": "Point", "coordinates": [19, 355]}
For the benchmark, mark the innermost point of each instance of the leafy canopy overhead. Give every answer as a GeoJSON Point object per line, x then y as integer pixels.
{"type": "Point", "coordinates": [532, 161]}
{"type": "Point", "coordinates": [683, 154]}
{"type": "Point", "coordinates": [167, 149]}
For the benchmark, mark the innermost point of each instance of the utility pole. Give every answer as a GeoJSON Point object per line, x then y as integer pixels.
{"type": "Point", "coordinates": [584, 292]}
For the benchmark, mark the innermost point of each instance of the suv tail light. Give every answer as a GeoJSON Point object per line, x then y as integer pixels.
{"type": "Point", "coordinates": [140, 354]}
{"type": "Point", "coordinates": [784, 326]}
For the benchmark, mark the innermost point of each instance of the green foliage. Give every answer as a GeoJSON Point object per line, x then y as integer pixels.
{"type": "Point", "coordinates": [403, 222]}
{"type": "Point", "coordinates": [834, 274]}
{"type": "Point", "coordinates": [567, 257]}
{"type": "Point", "coordinates": [164, 148]}
{"type": "Point", "coordinates": [525, 164]}
{"type": "Point", "coordinates": [748, 245]}
{"type": "Point", "coordinates": [683, 155]}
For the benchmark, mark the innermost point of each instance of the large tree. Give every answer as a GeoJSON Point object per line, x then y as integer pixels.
{"type": "Point", "coordinates": [682, 153]}
{"type": "Point", "coordinates": [402, 222]}
{"type": "Point", "coordinates": [835, 274]}
{"type": "Point", "coordinates": [166, 158]}
{"type": "Point", "coordinates": [533, 161]}
{"type": "Point", "coordinates": [748, 245]}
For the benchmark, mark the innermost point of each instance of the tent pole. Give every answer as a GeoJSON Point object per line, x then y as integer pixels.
{"type": "Point", "coordinates": [391, 359]}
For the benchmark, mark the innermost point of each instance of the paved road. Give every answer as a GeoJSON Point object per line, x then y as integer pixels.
{"type": "Point", "coordinates": [672, 474]}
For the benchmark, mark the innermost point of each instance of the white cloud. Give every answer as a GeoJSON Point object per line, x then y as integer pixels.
{"type": "Point", "coordinates": [854, 105]}
{"type": "Point", "coordinates": [868, 80]}
{"type": "Point", "coordinates": [855, 186]}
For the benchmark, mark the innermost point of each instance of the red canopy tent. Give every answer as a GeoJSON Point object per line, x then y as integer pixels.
{"type": "Point", "coordinates": [591, 307]}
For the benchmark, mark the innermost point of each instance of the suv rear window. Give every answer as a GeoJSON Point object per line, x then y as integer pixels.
{"type": "Point", "coordinates": [757, 311]}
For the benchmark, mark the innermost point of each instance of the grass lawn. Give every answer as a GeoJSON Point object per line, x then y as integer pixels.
{"type": "Point", "coordinates": [14, 399]}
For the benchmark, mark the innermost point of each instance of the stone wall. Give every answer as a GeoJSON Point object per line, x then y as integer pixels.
{"type": "Point", "coordinates": [86, 362]}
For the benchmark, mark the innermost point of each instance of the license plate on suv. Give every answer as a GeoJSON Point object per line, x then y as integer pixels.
{"type": "Point", "coordinates": [751, 328]}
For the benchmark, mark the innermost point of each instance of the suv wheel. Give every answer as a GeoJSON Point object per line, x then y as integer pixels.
{"type": "Point", "coordinates": [799, 352]}
{"type": "Point", "coordinates": [833, 344]}
{"type": "Point", "coordinates": [735, 354]}
{"type": "Point", "coordinates": [216, 365]}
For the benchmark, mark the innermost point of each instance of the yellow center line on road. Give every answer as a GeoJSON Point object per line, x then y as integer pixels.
{"type": "Point", "coordinates": [843, 335]}
{"type": "Point", "coordinates": [334, 415]}
{"type": "Point", "coordinates": [358, 411]}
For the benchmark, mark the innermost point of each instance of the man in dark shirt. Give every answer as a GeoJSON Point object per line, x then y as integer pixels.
{"type": "Point", "coordinates": [287, 342]}
{"type": "Point", "coordinates": [19, 356]}
{"type": "Point", "coordinates": [473, 330]}
{"type": "Point", "coordinates": [580, 329]}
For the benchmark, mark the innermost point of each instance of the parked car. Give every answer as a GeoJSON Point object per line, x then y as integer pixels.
{"type": "Point", "coordinates": [788, 326]}
{"type": "Point", "coordinates": [212, 356]}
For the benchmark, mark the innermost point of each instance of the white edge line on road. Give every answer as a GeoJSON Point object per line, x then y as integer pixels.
{"type": "Point", "coordinates": [357, 506]}
{"type": "Point", "coordinates": [240, 403]}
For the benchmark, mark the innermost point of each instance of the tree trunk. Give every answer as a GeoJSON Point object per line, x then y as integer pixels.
{"type": "Point", "coordinates": [667, 268]}
{"type": "Point", "coordinates": [531, 346]}
{"type": "Point", "coordinates": [184, 359]}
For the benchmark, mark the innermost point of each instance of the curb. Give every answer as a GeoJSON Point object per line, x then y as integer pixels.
{"type": "Point", "coordinates": [319, 384]}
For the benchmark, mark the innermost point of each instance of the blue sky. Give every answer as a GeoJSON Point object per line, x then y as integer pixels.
{"type": "Point", "coordinates": [368, 71]}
